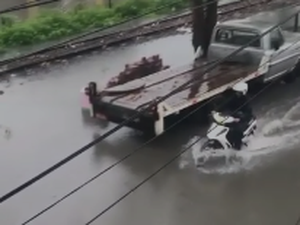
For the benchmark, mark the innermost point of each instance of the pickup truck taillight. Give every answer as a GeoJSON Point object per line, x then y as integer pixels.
{"type": "Point", "coordinates": [92, 87]}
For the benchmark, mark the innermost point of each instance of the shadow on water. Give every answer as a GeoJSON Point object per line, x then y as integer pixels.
{"type": "Point", "coordinates": [154, 154]}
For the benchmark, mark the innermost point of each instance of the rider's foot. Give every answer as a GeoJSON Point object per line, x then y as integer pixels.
{"type": "Point", "coordinates": [237, 146]}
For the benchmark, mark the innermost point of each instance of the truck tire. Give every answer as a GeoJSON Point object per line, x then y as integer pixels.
{"type": "Point", "coordinates": [297, 69]}
{"type": "Point", "coordinates": [290, 77]}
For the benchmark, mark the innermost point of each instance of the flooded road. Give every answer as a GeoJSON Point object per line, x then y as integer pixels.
{"type": "Point", "coordinates": [41, 114]}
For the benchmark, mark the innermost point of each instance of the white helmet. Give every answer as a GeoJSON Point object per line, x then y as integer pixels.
{"type": "Point", "coordinates": [241, 87]}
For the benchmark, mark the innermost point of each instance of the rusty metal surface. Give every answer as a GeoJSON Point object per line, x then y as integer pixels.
{"type": "Point", "coordinates": [139, 69]}
{"type": "Point", "coordinates": [160, 84]}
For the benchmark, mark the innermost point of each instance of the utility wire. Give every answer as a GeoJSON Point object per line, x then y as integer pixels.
{"type": "Point", "coordinates": [124, 123]}
{"type": "Point", "coordinates": [210, 67]}
{"type": "Point", "coordinates": [131, 153]}
{"type": "Point", "coordinates": [68, 41]}
{"type": "Point", "coordinates": [194, 70]}
{"type": "Point", "coordinates": [65, 42]}
{"type": "Point", "coordinates": [110, 167]}
{"type": "Point", "coordinates": [166, 165]}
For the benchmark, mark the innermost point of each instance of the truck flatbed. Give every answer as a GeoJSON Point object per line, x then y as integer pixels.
{"type": "Point", "coordinates": [273, 55]}
{"type": "Point", "coordinates": [161, 83]}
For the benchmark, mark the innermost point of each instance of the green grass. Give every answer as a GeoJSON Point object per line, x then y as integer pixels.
{"type": "Point", "coordinates": [54, 24]}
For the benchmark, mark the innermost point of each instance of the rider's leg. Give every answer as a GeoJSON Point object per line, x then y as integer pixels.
{"type": "Point", "coordinates": [237, 136]}
{"type": "Point", "coordinates": [234, 138]}
{"type": "Point", "coordinates": [238, 141]}
{"type": "Point", "coordinates": [230, 136]}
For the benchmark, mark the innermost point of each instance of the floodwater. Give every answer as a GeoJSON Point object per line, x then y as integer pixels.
{"type": "Point", "coordinates": [41, 123]}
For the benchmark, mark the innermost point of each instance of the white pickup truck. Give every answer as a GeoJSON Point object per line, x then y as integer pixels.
{"type": "Point", "coordinates": [275, 55]}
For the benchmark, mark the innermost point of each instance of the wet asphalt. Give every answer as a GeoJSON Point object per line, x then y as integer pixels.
{"type": "Point", "coordinates": [41, 123]}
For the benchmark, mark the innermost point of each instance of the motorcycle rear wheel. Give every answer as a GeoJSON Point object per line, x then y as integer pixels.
{"type": "Point", "coordinates": [208, 146]}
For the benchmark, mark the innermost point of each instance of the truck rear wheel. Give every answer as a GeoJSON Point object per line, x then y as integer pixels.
{"type": "Point", "coordinates": [292, 76]}
{"type": "Point", "coordinates": [297, 69]}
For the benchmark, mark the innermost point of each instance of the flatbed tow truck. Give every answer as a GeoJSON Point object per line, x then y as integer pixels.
{"type": "Point", "coordinates": [275, 55]}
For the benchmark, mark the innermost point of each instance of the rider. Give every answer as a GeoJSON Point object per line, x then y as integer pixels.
{"type": "Point", "coordinates": [239, 108]}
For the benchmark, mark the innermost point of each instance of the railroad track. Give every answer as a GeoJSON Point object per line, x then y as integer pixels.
{"type": "Point", "coordinates": [228, 11]}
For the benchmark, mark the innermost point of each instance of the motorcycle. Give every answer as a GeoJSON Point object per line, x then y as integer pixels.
{"type": "Point", "coordinates": [217, 133]}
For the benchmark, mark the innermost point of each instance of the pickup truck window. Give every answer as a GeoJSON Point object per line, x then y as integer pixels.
{"type": "Point", "coordinates": [276, 36]}
{"type": "Point", "coordinates": [236, 37]}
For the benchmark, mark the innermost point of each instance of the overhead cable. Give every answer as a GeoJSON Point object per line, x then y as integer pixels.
{"type": "Point", "coordinates": [111, 166]}
{"type": "Point", "coordinates": [130, 154]}
{"type": "Point", "coordinates": [165, 165]}
{"type": "Point", "coordinates": [70, 40]}
{"type": "Point", "coordinates": [124, 123]}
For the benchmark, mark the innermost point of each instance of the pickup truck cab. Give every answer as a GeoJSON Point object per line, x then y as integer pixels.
{"type": "Point", "coordinates": [276, 54]}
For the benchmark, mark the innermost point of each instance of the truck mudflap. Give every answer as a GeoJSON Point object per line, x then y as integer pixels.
{"type": "Point", "coordinates": [84, 99]}
{"type": "Point", "coordinates": [91, 92]}
{"type": "Point", "coordinates": [159, 124]}
{"type": "Point", "coordinates": [87, 106]}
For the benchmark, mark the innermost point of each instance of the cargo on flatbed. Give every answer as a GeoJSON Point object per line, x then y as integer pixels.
{"type": "Point", "coordinates": [272, 56]}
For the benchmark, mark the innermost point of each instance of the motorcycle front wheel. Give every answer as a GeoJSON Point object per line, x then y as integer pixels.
{"type": "Point", "coordinates": [211, 145]}
{"type": "Point", "coordinates": [207, 151]}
